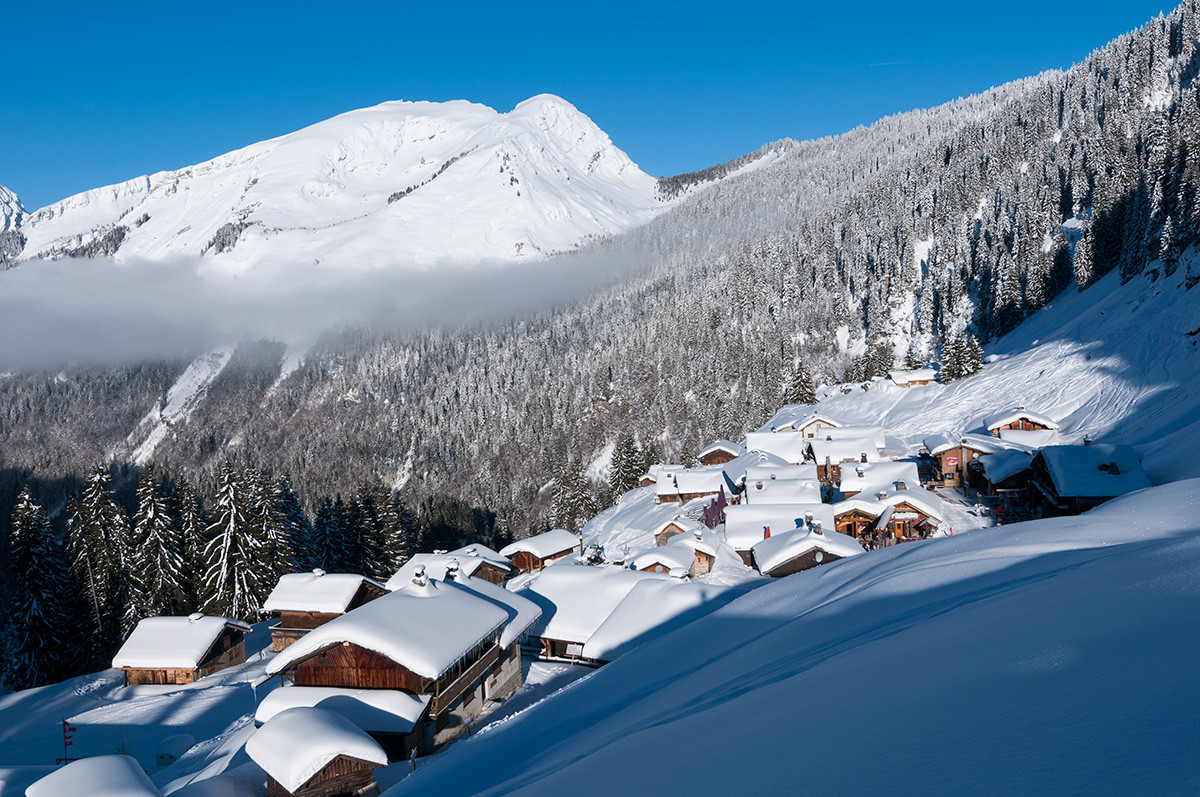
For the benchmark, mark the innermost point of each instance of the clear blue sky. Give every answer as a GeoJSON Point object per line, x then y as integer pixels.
{"type": "Point", "coordinates": [96, 93]}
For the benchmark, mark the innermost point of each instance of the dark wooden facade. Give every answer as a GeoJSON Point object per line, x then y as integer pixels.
{"type": "Point", "coordinates": [952, 465]}
{"type": "Point", "coordinates": [908, 523]}
{"type": "Point", "coordinates": [683, 498]}
{"type": "Point", "coordinates": [664, 536]}
{"type": "Point", "coordinates": [229, 650]}
{"type": "Point", "coordinates": [492, 573]}
{"type": "Point", "coordinates": [1022, 424]}
{"type": "Point", "coordinates": [718, 457]}
{"type": "Point", "coordinates": [342, 777]}
{"type": "Point", "coordinates": [294, 624]}
{"type": "Point", "coordinates": [805, 561]}
{"type": "Point", "coordinates": [855, 523]}
{"type": "Point", "coordinates": [527, 562]}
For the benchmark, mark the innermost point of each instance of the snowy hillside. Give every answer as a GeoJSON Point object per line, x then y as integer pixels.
{"type": "Point", "coordinates": [404, 184]}
{"type": "Point", "coordinates": [11, 210]}
{"type": "Point", "coordinates": [1040, 657]}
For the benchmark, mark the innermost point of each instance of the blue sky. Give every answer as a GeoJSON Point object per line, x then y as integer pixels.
{"type": "Point", "coordinates": [100, 93]}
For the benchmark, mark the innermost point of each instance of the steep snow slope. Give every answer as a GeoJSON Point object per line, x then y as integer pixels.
{"type": "Point", "coordinates": [11, 210]}
{"type": "Point", "coordinates": [1048, 656]}
{"type": "Point", "coordinates": [402, 183]}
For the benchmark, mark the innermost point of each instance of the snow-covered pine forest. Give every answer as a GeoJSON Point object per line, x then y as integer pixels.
{"type": "Point", "coordinates": [843, 256]}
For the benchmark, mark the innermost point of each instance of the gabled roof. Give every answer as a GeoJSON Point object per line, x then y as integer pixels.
{"type": "Point", "coordinates": [298, 743]}
{"type": "Point", "coordinates": [656, 471]}
{"type": "Point", "coordinates": [673, 557]}
{"type": "Point", "coordinates": [788, 446]}
{"type": "Point", "coordinates": [173, 642]}
{"type": "Point", "coordinates": [1030, 438]}
{"type": "Point", "coordinates": [704, 542]}
{"type": "Point", "coordinates": [1004, 465]}
{"type": "Point", "coordinates": [543, 545]}
{"type": "Point", "coordinates": [1089, 472]}
{"type": "Point", "coordinates": [880, 477]}
{"type": "Point", "coordinates": [1016, 414]}
{"type": "Point", "coordinates": [927, 502]}
{"type": "Point", "coordinates": [872, 508]}
{"type": "Point", "coordinates": [576, 599]}
{"type": "Point", "coordinates": [424, 628]}
{"type": "Point", "coordinates": [372, 710]}
{"type": "Point", "coordinates": [522, 612]}
{"type": "Point", "coordinates": [984, 444]}
{"type": "Point", "coordinates": [744, 524]}
{"type": "Point", "coordinates": [736, 469]}
{"type": "Point", "coordinates": [781, 548]}
{"type": "Point", "coordinates": [845, 450]}
{"type": "Point", "coordinates": [709, 479]}
{"type": "Point", "coordinates": [795, 416]}
{"type": "Point", "coordinates": [685, 524]}
{"type": "Point", "coordinates": [783, 491]}
{"type": "Point", "coordinates": [98, 776]}
{"type": "Point", "coordinates": [722, 445]}
{"type": "Point", "coordinates": [317, 591]}
{"type": "Point", "coordinates": [875, 434]}
{"type": "Point", "coordinates": [905, 377]}
{"type": "Point", "coordinates": [436, 564]}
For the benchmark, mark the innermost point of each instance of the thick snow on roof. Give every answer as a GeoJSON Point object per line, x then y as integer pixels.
{"type": "Point", "coordinates": [788, 446]}
{"type": "Point", "coordinates": [782, 491]}
{"type": "Point", "coordinates": [522, 612]}
{"type": "Point", "coordinates": [576, 599]}
{"type": "Point", "coordinates": [1031, 438]}
{"type": "Point", "coordinates": [436, 565]}
{"type": "Point", "coordinates": [779, 548]}
{"type": "Point", "coordinates": [424, 628]}
{"type": "Point", "coordinates": [1016, 414]}
{"type": "Point", "coordinates": [795, 417]}
{"type": "Point", "coordinates": [873, 508]}
{"type": "Point", "coordinates": [744, 523]}
{"type": "Point", "coordinates": [803, 470]}
{"type": "Point", "coordinates": [175, 642]}
{"type": "Point", "coordinates": [317, 591]}
{"type": "Point", "coordinates": [650, 610]}
{"type": "Point", "coordinates": [479, 551]}
{"type": "Point", "coordinates": [101, 776]}
{"type": "Point", "coordinates": [1088, 472]}
{"type": "Point", "coordinates": [984, 444]}
{"type": "Point", "coordinates": [851, 449]}
{"type": "Point", "coordinates": [923, 500]}
{"type": "Point", "coordinates": [372, 710]}
{"type": "Point", "coordinates": [722, 445]}
{"type": "Point", "coordinates": [543, 545]}
{"type": "Point", "coordinates": [905, 377]}
{"type": "Point", "coordinates": [684, 523]}
{"type": "Point", "coordinates": [879, 477]}
{"type": "Point", "coordinates": [1004, 464]}
{"type": "Point", "coordinates": [657, 471]}
{"type": "Point", "coordinates": [704, 542]}
{"type": "Point", "coordinates": [297, 743]}
{"type": "Point", "coordinates": [675, 557]}
{"type": "Point", "coordinates": [736, 469]}
{"type": "Point", "coordinates": [709, 479]}
{"type": "Point", "coordinates": [873, 433]}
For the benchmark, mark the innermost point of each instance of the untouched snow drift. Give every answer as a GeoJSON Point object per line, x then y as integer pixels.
{"type": "Point", "coordinates": [1030, 658]}
{"type": "Point", "coordinates": [408, 184]}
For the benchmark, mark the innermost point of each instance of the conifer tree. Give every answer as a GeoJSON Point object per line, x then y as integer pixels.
{"type": "Point", "coordinates": [39, 633]}
{"type": "Point", "coordinates": [267, 527]}
{"type": "Point", "coordinates": [98, 546]}
{"type": "Point", "coordinates": [1082, 261]}
{"type": "Point", "coordinates": [189, 529]}
{"type": "Point", "coordinates": [296, 529]}
{"type": "Point", "coordinates": [913, 358]}
{"type": "Point", "coordinates": [626, 465]}
{"type": "Point", "coordinates": [234, 553]}
{"type": "Point", "coordinates": [157, 566]}
{"type": "Point", "coordinates": [801, 389]}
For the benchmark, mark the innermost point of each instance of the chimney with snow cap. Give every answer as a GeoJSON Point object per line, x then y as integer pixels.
{"type": "Point", "coordinates": [808, 518]}
{"type": "Point", "coordinates": [452, 570]}
{"type": "Point", "coordinates": [861, 472]}
{"type": "Point", "coordinates": [1087, 440]}
{"type": "Point", "coordinates": [418, 578]}
{"type": "Point", "coordinates": [816, 527]}
{"type": "Point", "coordinates": [195, 617]}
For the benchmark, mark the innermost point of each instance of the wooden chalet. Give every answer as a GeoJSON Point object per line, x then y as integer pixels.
{"type": "Point", "coordinates": [872, 478]}
{"type": "Point", "coordinates": [856, 517]}
{"type": "Point", "coordinates": [1020, 419]}
{"type": "Point", "coordinates": [802, 548]}
{"type": "Point", "coordinates": [314, 752]}
{"type": "Point", "coordinates": [954, 455]}
{"type": "Point", "coordinates": [807, 424]}
{"type": "Point", "coordinates": [682, 486]}
{"type": "Point", "coordinates": [907, 516]}
{"type": "Point", "coordinates": [181, 650]}
{"type": "Point", "coordinates": [664, 531]}
{"type": "Point", "coordinates": [789, 446]}
{"type": "Point", "coordinates": [1072, 479]}
{"type": "Point", "coordinates": [748, 524]}
{"type": "Point", "coordinates": [477, 561]}
{"type": "Point", "coordinates": [532, 554]}
{"type": "Point", "coordinates": [703, 552]}
{"type": "Point", "coordinates": [830, 455]}
{"type": "Point", "coordinates": [719, 453]}
{"type": "Point", "coordinates": [912, 377]}
{"type": "Point", "coordinates": [435, 639]}
{"type": "Point", "coordinates": [304, 601]}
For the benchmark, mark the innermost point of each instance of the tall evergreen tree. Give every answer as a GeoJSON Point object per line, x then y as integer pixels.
{"type": "Point", "coordinates": [233, 581]}
{"type": "Point", "coordinates": [98, 545]}
{"type": "Point", "coordinates": [801, 389]}
{"type": "Point", "coordinates": [157, 565]}
{"type": "Point", "coordinates": [189, 529]}
{"type": "Point", "coordinates": [39, 634]}
{"type": "Point", "coordinates": [297, 531]}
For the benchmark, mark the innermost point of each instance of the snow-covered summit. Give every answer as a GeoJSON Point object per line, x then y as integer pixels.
{"type": "Point", "coordinates": [400, 184]}
{"type": "Point", "coordinates": [11, 210]}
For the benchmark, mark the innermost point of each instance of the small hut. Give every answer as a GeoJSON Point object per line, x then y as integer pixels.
{"type": "Point", "coordinates": [304, 601]}
{"type": "Point", "coordinates": [703, 552]}
{"type": "Point", "coordinates": [802, 548]}
{"type": "Point", "coordinates": [532, 554]}
{"type": "Point", "coordinates": [719, 452]}
{"type": "Point", "coordinates": [1020, 419]}
{"type": "Point", "coordinates": [672, 560]}
{"type": "Point", "coordinates": [180, 650]}
{"type": "Point", "coordinates": [313, 752]}
{"type": "Point", "coordinates": [665, 531]}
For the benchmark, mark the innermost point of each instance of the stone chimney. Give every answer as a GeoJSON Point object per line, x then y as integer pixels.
{"type": "Point", "coordinates": [452, 570]}
{"type": "Point", "coordinates": [418, 578]}
{"type": "Point", "coordinates": [816, 527]}
{"type": "Point", "coordinates": [808, 518]}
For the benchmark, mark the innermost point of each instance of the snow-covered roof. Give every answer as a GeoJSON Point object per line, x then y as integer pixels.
{"type": "Point", "coordinates": [651, 609]}
{"type": "Point", "coordinates": [744, 523]}
{"type": "Point", "coordinates": [908, 376]}
{"type": "Point", "coordinates": [709, 479]}
{"type": "Point", "coordinates": [522, 612]}
{"type": "Point", "coordinates": [656, 471]}
{"type": "Point", "coordinates": [704, 542]}
{"type": "Point", "coordinates": [788, 446]}
{"type": "Point", "coordinates": [436, 565]}
{"type": "Point", "coordinates": [803, 470]}
{"type": "Point", "coordinates": [984, 444]}
{"type": "Point", "coordinates": [886, 476]}
{"type": "Point", "coordinates": [1088, 472]}
{"type": "Point", "coordinates": [173, 642]}
{"type": "Point", "coordinates": [372, 710]}
{"type": "Point", "coordinates": [426, 628]}
{"type": "Point", "coordinates": [299, 742]}
{"type": "Point", "coordinates": [673, 557]}
{"type": "Point", "coordinates": [1004, 464]}
{"type": "Point", "coordinates": [1030, 438]}
{"type": "Point", "coordinates": [576, 599]}
{"type": "Point", "coordinates": [782, 491]}
{"type": "Point", "coordinates": [873, 433]}
{"type": "Point", "coordinates": [795, 417]}
{"type": "Point", "coordinates": [99, 776]}
{"type": "Point", "coordinates": [543, 545]}
{"type": "Point", "coordinates": [736, 469]}
{"type": "Point", "coordinates": [845, 450]}
{"type": "Point", "coordinates": [872, 508]}
{"type": "Point", "coordinates": [722, 445]}
{"type": "Point", "coordinates": [780, 548]}
{"type": "Point", "coordinates": [317, 591]}
{"type": "Point", "coordinates": [684, 523]}
{"type": "Point", "coordinates": [925, 501]}
{"type": "Point", "coordinates": [1016, 414]}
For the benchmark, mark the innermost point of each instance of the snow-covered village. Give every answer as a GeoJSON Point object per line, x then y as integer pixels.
{"type": "Point", "coordinates": [438, 446]}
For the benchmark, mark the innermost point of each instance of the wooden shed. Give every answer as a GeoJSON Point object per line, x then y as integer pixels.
{"type": "Point", "coordinates": [1020, 419]}
{"type": "Point", "coordinates": [532, 554]}
{"type": "Point", "coordinates": [314, 752]}
{"type": "Point", "coordinates": [181, 650]}
{"type": "Point", "coordinates": [665, 531]}
{"type": "Point", "coordinates": [304, 601]}
{"type": "Point", "coordinates": [802, 548]}
{"type": "Point", "coordinates": [719, 453]}
{"type": "Point", "coordinates": [1072, 479]}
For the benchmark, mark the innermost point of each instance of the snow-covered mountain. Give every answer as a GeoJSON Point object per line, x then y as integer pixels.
{"type": "Point", "coordinates": [11, 210]}
{"type": "Point", "coordinates": [400, 184]}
